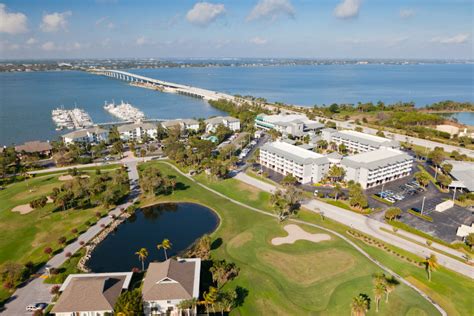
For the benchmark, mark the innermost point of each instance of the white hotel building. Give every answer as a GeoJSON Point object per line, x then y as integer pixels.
{"type": "Point", "coordinates": [357, 142]}
{"type": "Point", "coordinates": [305, 165]}
{"type": "Point", "coordinates": [377, 167]}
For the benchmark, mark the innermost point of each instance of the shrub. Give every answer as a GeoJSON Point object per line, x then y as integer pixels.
{"type": "Point", "coordinates": [74, 230]}
{"type": "Point", "coordinates": [48, 250]}
{"type": "Point", "coordinates": [54, 290]}
{"type": "Point", "coordinates": [62, 240]}
{"type": "Point", "coordinates": [82, 243]}
{"type": "Point", "coordinates": [68, 254]}
{"type": "Point", "coordinates": [98, 214]}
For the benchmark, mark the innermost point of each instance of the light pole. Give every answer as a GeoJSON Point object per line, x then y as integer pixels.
{"type": "Point", "coordinates": [382, 188]}
{"type": "Point", "coordinates": [423, 205]}
{"type": "Point", "coordinates": [454, 193]}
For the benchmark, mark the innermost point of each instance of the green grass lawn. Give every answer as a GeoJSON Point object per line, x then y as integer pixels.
{"type": "Point", "coordinates": [24, 236]}
{"type": "Point", "coordinates": [298, 279]}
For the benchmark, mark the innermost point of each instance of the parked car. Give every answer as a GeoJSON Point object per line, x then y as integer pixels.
{"type": "Point", "coordinates": [390, 199]}
{"type": "Point", "coordinates": [416, 209]}
{"type": "Point", "coordinates": [36, 307]}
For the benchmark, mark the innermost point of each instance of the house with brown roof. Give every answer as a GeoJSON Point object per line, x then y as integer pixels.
{"type": "Point", "coordinates": [35, 147]}
{"type": "Point", "coordinates": [92, 294]}
{"type": "Point", "coordinates": [168, 283]}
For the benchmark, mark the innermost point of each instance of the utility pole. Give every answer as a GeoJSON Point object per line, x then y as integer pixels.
{"type": "Point", "coordinates": [423, 205]}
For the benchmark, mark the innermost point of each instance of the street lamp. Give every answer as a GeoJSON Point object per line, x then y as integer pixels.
{"type": "Point", "coordinates": [454, 193]}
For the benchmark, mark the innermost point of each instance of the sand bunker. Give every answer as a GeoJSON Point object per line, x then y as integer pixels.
{"type": "Point", "coordinates": [296, 233]}
{"type": "Point", "coordinates": [68, 177]}
{"type": "Point", "coordinates": [22, 209]}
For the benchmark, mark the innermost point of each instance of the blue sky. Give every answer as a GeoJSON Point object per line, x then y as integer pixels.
{"type": "Point", "coordinates": [240, 28]}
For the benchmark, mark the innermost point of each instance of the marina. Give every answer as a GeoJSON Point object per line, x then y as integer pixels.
{"type": "Point", "coordinates": [124, 111]}
{"type": "Point", "coordinates": [71, 119]}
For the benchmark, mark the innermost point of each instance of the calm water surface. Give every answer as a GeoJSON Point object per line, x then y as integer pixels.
{"type": "Point", "coordinates": [26, 99]}
{"type": "Point", "coordinates": [181, 223]}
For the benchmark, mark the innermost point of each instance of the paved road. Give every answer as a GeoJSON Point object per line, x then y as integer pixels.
{"type": "Point", "coordinates": [373, 227]}
{"type": "Point", "coordinates": [35, 290]}
{"type": "Point", "coordinates": [390, 272]}
{"type": "Point", "coordinates": [404, 138]}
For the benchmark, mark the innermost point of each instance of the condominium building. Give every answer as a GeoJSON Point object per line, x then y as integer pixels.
{"type": "Point", "coordinates": [184, 124]}
{"type": "Point", "coordinates": [375, 167]}
{"type": "Point", "coordinates": [228, 121]}
{"type": "Point", "coordinates": [284, 158]}
{"type": "Point", "coordinates": [291, 124]}
{"type": "Point", "coordinates": [357, 142]}
{"type": "Point", "coordinates": [137, 131]}
{"type": "Point", "coordinates": [88, 135]}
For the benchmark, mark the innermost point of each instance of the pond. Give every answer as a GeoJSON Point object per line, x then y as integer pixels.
{"type": "Point", "coordinates": [181, 223]}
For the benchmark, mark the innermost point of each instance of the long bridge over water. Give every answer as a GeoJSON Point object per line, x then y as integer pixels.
{"type": "Point", "coordinates": [165, 86]}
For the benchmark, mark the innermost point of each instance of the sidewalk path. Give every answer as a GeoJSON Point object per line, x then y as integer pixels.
{"type": "Point", "coordinates": [380, 265]}
{"type": "Point", "coordinates": [35, 290]}
{"type": "Point", "coordinates": [373, 228]}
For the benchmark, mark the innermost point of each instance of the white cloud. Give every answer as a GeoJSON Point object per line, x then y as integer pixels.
{"type": "Point", "coordinates": [204, 13]}
{"type": "Point", "coordinates": [141, 41]}
{"type": "Point", "coordinates": [55, 21]}
{"type": "Point", "coordinates": [347, 9]}
{"type": "Point", "coordinates": [48, 46]}
{"type": "Point", "coordinates": [271, 9]}
{"type": "Point", "coordinates": [31, 41]}
{"type": "Point", "coordinates": [258, 41]}
{"type": "Point", "coordinates": [104, 21]}
{"type": "Point", "coordinates": [455, 39]}
{"type": "Point", "coordinates": [12, 23]}
{"type": "Point", "coordinates": [407, 13]}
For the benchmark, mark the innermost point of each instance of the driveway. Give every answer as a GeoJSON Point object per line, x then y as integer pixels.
{"type": "Point", "coordinates": [373, 228]}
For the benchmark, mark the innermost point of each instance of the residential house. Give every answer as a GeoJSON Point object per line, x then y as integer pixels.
{"type": "Point", "coordinates": [92, 294]}
{"type": "Point", "coordinates": [228, 121]}
{"type": "Point", "coordinates": [168, 283]}
{"type": "Point", "coordinates": [90, 135]}
{"type": "Point", "coordinates": [137, 131]}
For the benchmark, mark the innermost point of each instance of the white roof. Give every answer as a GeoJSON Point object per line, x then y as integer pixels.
{"type": "Point", "coordinates": [365, 136]}
{"type": "Point", "coordinates": [301, 152]}
{"type": "Point", "coordinates": [284, 118]}
{"type": "Point", "coordinates": [465, 230]}
{"type": "Point", "coordinates": [463, 171]}
{"type": "Point", "coordinates": [376, 158]}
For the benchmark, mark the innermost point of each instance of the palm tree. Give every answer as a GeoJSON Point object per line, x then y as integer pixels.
{"type": "Point", "coordinates": [379, 292]}
{"type": "Point", "coordinates": [165, 244]}
{"type": "Point", "coordinates": [210, 299]}
{"type": "Point", "coordinates": [337, 190]}
{"type": "Point", "coordinates": [390, 284]}
{"type": "Point", "coordinates": [142, 255]}
{"type": "Point", "coordinates": [360, 305]}
{"type": "Point", "coordinates": [431, 263]}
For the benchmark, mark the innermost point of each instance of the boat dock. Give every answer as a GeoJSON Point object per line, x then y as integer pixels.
{"type": "Point", "coordinates": [71, 119]}
{"type": "Point", "coordinates": [124, 111]}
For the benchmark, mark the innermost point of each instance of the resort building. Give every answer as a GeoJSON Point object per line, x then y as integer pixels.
{"type": "Point", "coordinates": [35, 147]}
{"type": "Point", "coordinates": [291, 124]}
{"type": "Point", "coordinates": [168, 283]}
{"type": "Point", "coordinates": [377, 167]}
{"type": "Point", "coordinates": [462, 174]}
{"type": "Point", "coordinates": [284, 158]}
{"type": "Point", "coordinates": [357, 142]}
{"type": "Point", "coordinates": [228, 121]}
{"type": "Point", "coordinates": [88, 135]}
{"type": "Point", "coordinates": [137, 131]}
{"type": "Point", "coordinates": [184, 124]}
{"type": "Point", "coordinates": [93, 294]}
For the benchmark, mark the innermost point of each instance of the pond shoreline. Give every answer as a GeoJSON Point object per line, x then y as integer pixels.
{"type": "Point", "coordinates": [183, 223]}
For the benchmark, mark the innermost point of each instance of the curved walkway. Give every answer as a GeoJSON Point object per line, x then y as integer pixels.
{"type": "Point", "coordinates": [380, 265]}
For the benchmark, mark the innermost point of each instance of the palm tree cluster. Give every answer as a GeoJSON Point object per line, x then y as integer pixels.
{"type": "Point", "coordinates": [153, 182]}
{"type": "Point", "coordinates": [201, 249]}
{"type": "Point", "coordinates": [357, 197]}
{"type": "Point", "coordinates": [105, 189]}
{"type": "Point", "coordinates": [219, 300]}
{"type": "Point", "coordinates": [223, 271]}
{"type": "Point", "coordinates": [336, 173]}
{"type": "Point", "coordinates": [360, 305]}
{"type": "Point", "coordinates": [286, 202]}
{"type": "Point", "coordinates": [383, 286]}
{"type": "Point", "coordinates": [142, 253]}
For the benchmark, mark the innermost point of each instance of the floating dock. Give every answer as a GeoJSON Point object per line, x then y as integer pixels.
{"type": "Point", "coordinates": [124, 111]}
{"type": "Point", "coordinates": [71, 119]}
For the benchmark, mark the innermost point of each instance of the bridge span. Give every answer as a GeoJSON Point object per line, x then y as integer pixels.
{"type": "Point", "coordinates": [164, 85]}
